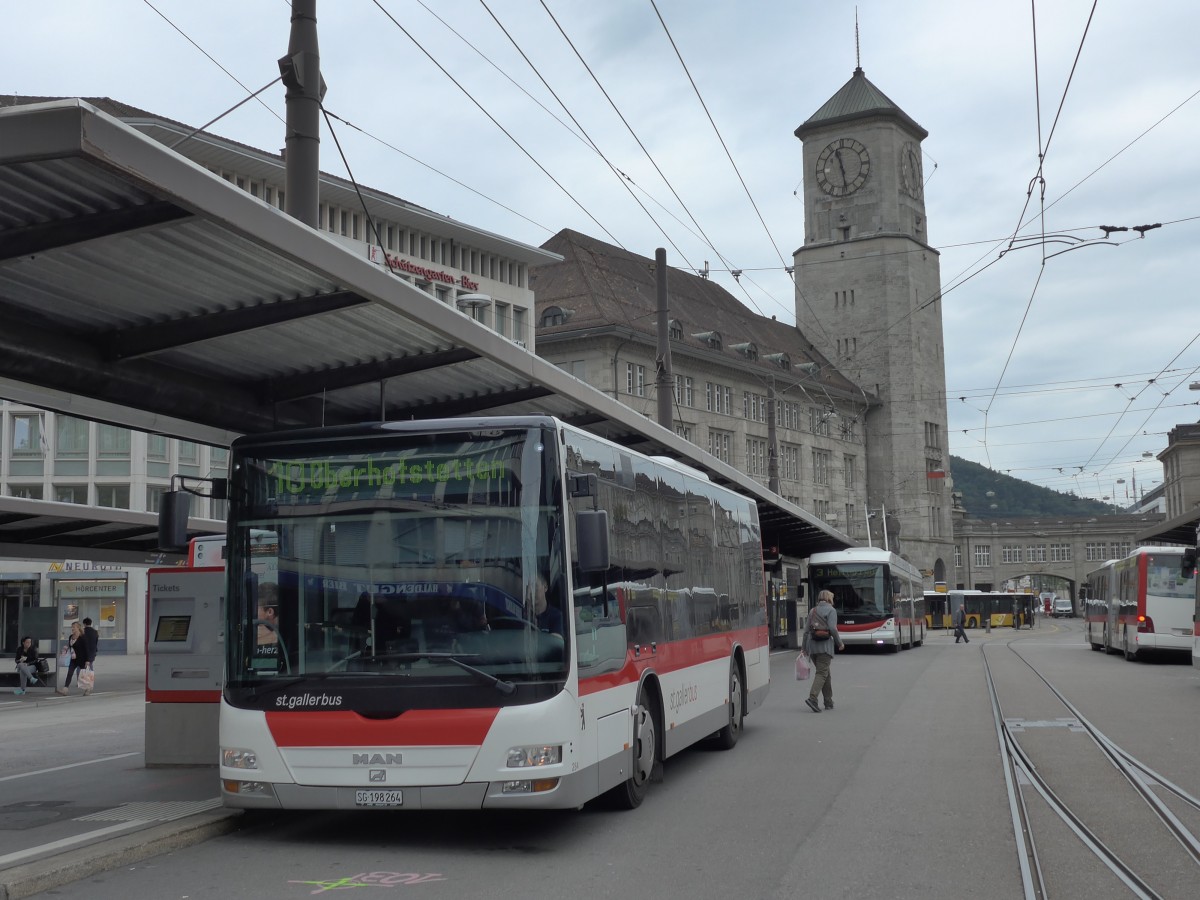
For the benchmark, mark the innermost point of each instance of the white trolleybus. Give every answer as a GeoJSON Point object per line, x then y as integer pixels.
{"type": "Point", "coordinates": [1143, 603]}
{"type": "Point", "coordinates": [502, 612]}
{"type": "Point", "coordinates": [879, 597]}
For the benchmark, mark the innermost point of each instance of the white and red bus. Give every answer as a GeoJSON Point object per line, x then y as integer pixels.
{"type": "Point", "coordinates": [1142, 603]}
{"type": "Point", "coordinates": [879, 596]}
{"type": "Point", "coordinates": [501, 612]}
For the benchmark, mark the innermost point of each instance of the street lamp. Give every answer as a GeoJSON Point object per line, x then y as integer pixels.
{"type": "Point", "coordinates": [471, 304]}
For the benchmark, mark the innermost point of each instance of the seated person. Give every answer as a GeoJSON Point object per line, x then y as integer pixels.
{"type": "Point", "coordinates": [27, 664]}
{"type": "Point", "coordinates": [549, 617]}
{"type": "Point", "coordinates": [391, 621]}
{"type": "Point", "coordinates": [266, 637]}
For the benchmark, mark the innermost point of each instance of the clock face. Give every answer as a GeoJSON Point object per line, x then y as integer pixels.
{"type": "Point", "coordinates": [910, 170]}
{"type": "Point", "coordinates": [843, 167]}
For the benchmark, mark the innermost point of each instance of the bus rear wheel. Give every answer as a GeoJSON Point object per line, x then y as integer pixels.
{"type": "Point", "coordinates": [1130, 655]}
{"type": "Point", "coordinates": [643, 756]}
{"type": "Point", "coordinates": [728, 736]}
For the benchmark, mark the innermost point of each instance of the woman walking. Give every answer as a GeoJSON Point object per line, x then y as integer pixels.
{"type": "Point", "coordinates": [78, 651]}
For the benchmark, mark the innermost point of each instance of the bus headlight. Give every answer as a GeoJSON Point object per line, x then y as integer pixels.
{"type": "Point", "coordinates": [236, 758]}
{"type": "Point", "coordinates": [523, 757]}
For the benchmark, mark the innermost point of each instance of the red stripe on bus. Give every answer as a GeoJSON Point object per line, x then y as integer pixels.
{"type": "Point", "coordinates": [671, 657]}
{"type": "Point", "coordinates": [415, 728]}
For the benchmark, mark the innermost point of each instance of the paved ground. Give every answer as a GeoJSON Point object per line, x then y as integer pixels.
{"type": "Point", "coordinates": [93, 805]}
{"type": "Point", "coordinates": [72, 807]}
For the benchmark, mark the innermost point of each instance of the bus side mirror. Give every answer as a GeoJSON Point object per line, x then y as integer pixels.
{"type": "Point", "coordinates": [591, 537]}
{"type": "Point", "coordinates": [173, 512]}
{"type": "Point", "coordinates": [1187, 563]}
{"type": "Point", "coordinates": [800, 591]}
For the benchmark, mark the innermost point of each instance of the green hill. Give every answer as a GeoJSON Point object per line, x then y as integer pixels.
{"type": "Point", "coordinates": [1014, 497]}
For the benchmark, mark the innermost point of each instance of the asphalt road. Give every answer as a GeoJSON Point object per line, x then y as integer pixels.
{"type": "Point", "coordinates": [896, 793]}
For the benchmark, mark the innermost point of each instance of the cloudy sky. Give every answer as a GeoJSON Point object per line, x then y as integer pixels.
{"type": "Point", "coordinates": [1067, 361]}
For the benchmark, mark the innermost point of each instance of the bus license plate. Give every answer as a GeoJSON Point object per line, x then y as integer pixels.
{"type": "Point", "coordinates": [379, 798]}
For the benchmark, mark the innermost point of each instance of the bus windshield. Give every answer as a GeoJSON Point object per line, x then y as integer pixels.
{"type": "Point", "coordinates": [404, 559]}
{"type": "Point", "coordinates": [858, 588]}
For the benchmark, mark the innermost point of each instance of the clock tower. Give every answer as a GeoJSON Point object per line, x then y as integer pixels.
{"type": "Point", "coordinates": [868, 297]}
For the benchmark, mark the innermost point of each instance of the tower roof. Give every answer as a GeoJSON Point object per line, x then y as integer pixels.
{"type": "Point", "coordinates": [858, 98]}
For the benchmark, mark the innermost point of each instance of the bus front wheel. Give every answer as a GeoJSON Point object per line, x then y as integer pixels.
{"type": "Point", "coordinates": [642, 757]}
{"type": "Point", "coordinates": [728, 736]}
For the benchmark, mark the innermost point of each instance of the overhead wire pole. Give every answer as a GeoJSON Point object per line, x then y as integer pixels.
{"type": "Point", "coordinates": [664, 379]}
{"type": "Point", "coordinates": [301, 73]}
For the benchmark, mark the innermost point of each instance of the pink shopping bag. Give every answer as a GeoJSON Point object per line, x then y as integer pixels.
{"type": "Point", "coordinates": [803, 667]}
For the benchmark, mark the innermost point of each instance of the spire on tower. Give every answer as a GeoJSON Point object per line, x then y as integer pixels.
{"type": "Point", "coordinates": [857, 54]}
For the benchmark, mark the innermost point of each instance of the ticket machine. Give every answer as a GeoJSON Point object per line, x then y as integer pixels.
{"type": "Point", "coordinates": [185, 658]}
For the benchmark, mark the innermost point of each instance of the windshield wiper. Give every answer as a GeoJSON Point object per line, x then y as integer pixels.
{"type": "Point", "coordinates": [504, 687]}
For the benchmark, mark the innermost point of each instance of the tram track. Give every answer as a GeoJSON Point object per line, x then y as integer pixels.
{"type": "Point", "coordinates": [1085, 799]}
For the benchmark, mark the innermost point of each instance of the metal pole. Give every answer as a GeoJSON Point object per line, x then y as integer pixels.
{"type": "Point", "coordinates": [665, 381]}
{"type": "Point", "coordinates": [772, 437]}
{"type": "Point", "coordinates": [301, 71]}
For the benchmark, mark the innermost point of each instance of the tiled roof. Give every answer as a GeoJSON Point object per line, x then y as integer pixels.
{"type": "Point", "coordinates": [858, 98]}
{"type": "Point", "coordinates": [599, 285]}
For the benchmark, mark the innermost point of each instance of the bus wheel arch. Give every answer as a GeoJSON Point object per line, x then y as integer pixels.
{"type": "Point", "coordinates": [728, 736]}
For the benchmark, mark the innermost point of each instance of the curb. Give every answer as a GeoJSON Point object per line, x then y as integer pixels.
{"type": "Point", "coordinates": [102, 856]}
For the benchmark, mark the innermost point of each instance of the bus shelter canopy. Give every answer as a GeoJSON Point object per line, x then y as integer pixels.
{"type": "Point", "coordinates": [138, 288]}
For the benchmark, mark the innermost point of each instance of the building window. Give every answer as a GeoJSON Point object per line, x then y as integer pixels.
{"type": "Point", "coordinates": [719, 443]}
{"type": "Point", "coordinates": [818, 421]}
{"type": "Point", "coordinates": [156, 447]}
{"type": "Point", "coordinates": [519, 316]}
{"type": "Point", "coordinates": [72, 437]}
{"type": "Point", "coordinates": [684, 393]}
{"type": "Point", "coordinates": [1010, 553]}
{"type": "Point", "coordinates": [503, 318]}
{"type": "Point", "coordinates": [684, 431]}
{"type": "Point", "coordinates": [756, 457]}
{"type": "Point", "coordinates": [25, 491]}
{"type": "Point", "coordinates": [851, 464]}
{"type": "Point", "coordinates": [820, 466]}
{"type": "Point", "coordinates": [27, 436]}
{"type": "Point", "coordinates": [983, 555]}
{"type": "Point", "coordinates": [789, 462]}
{"type": "Point", "coordinates": [114, 496]}
{"type": "Point", "coordinates": [1036, 553]}
{"type": "Point", "coordinates": [189, 452]}
{"type": "Point", "coordinates": [1060, 553]}
{"type": "Point", "coordinates": [957, 556]}
{"type": "Point", "coordinates": [635, 380]}
{"type": "Point", "coordinates": [1094, 551]}
{"type": "Point", "coordinates": [719, 398]}
{"type": "Point", "coordinates": [114, 443]}
{"type": "Point", "coordinates": [71, 493]}
{"type": "Point", "coordinates": [933, 435]}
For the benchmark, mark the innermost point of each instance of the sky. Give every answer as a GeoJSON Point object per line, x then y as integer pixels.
{"type": "Point", "coordinates": [1068, 357]}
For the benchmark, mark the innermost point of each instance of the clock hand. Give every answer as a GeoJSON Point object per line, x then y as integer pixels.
{"type": "Point", "coordinates": [838, 155]}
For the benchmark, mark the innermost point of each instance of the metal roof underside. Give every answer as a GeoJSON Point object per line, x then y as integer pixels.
{"type": "Point", "coordinates": [40, 529]}
{"type": "Point", "coordinates": [1178, 530]}
{"type": "Point", "coordinates": [140, 289]}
